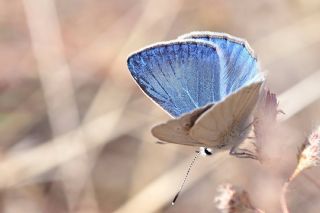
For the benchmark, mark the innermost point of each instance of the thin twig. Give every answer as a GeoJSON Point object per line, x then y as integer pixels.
{"type": "Point", "coordinates": [283, 201]}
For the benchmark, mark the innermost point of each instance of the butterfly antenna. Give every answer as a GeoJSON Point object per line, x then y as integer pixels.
{"type": "Point", "coordinates": [185, 177]}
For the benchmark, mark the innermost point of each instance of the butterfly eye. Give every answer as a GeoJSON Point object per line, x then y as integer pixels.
{"type": "Point", "coordinates": [208, 151]}
{"type": "Point", "coordinates": [205, 151]}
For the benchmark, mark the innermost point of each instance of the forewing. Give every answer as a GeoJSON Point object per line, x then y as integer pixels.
{"type": "Point", "coordinates": [179, 75]}
{"type": "Point", "coordinates": [232, 113]}
{"type": "Point", "coordinates": [240, 66]}
{"type": "Point", "coordinates": [177, 130]}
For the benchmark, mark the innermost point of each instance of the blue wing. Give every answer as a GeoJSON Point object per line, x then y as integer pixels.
{"type": "Point", "coordinates": [179, 75]}
{"type": "Point", "coordinates": [240, 67]}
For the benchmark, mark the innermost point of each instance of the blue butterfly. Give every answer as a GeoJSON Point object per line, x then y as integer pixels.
{"type": "Point", "coordinates": [210, 83]}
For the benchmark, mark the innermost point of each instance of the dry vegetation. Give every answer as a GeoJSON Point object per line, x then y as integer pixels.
{"type": "Point", "coordinates": [75, 128]}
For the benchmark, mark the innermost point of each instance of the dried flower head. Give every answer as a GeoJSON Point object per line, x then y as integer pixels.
{"type": "Point", "coordinates": [309, 153]}
{"type": "Point", "coordinates": [233, 200]}
{"type": "Point", "coordinates": [266, 114]}
{"type": "Point", "coordinates": [264, 120]}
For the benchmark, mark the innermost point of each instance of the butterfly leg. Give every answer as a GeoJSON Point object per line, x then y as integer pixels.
{"type": "Point", "coordinates": [242, 153]}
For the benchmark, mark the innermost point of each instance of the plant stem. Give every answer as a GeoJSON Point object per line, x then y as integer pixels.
{"type": "Point", "coordinates": [283, 201]}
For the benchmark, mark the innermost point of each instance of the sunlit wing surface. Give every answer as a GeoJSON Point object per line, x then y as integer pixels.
{"type": "Point", "coordinates": [227, 123]}
{"type": "Point", "coordinates": [240, 67]}
{"type": "Point", "coordinates": [176, 130]}
{"type": "Point", "coordinates": [180, 75]}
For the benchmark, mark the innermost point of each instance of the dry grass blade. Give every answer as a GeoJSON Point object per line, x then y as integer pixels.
{"type": "Point", "coordinates": [115, 32]}
{"type": "Point", "coordinates": [306, 91]}
{"type": "Point", "coordinates": [298, 36]}
{"type": "Point", "coordinates": [58, 89]}
{"type": "Point", "coordinates": [44, 157]}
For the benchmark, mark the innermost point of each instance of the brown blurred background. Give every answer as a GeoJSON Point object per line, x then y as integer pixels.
{"type": "Point", "coordinates": [75, 129]}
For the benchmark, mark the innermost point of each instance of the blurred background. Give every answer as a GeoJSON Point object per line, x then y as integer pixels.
{"type": "Point", "coordinates": [75, 128]}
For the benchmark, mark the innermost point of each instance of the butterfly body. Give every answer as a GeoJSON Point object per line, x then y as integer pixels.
{"type": "Point", "coordinates": [210, 83]}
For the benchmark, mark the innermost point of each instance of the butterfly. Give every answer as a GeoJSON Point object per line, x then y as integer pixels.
{"type": "Point", "coordinates": [210, 83]}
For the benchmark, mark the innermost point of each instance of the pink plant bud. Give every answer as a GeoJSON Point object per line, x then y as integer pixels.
{"type": "Point", "coordinates": [309, 154]}
{"type": "Point", "coordinates": [233, 200]}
